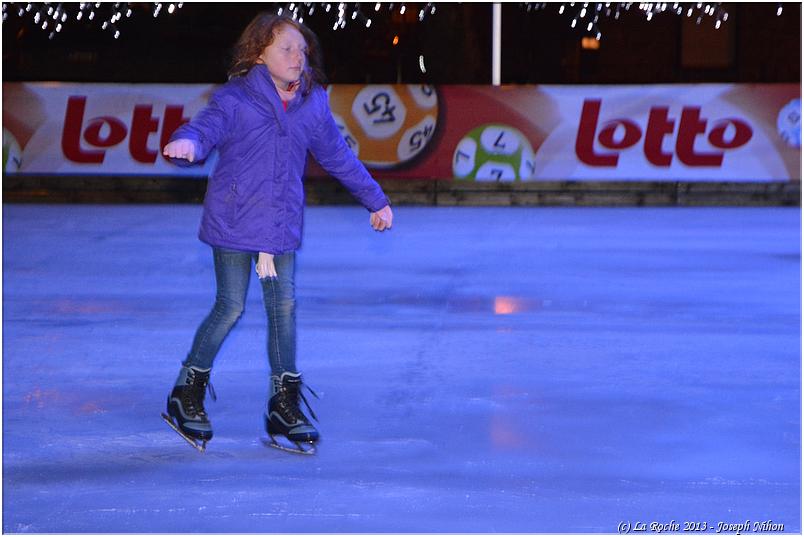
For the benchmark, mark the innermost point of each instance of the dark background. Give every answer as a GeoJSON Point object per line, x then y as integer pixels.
{"type": "Point", "coordinates": [539, 46]}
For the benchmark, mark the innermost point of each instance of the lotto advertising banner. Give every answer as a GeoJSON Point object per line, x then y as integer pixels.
{"type": "Point", "coordinates": [96, 129]}
{"type": "Point", "coordinates": [701, 132]}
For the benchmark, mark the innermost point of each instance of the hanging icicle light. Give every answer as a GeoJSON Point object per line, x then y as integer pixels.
{"type": "Point", "coordinates": [600, 10]}
{"type": "Point", "coordinates": [342, 18]}
{"type": "Point", "coordinates": [112, 13]}
{"type": "Point", "coordinates": [56, 18]}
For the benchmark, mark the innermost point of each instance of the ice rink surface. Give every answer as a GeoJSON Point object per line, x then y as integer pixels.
{"type": "Point", "coordinates": [480, 370]}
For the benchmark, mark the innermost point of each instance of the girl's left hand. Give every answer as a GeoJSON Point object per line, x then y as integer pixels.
{"type": "Point", "coordinates": [265, 265]}
{"type": "Point", "coordinates": [382, 219]}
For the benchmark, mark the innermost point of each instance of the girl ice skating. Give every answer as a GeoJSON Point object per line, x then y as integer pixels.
{"type": "Point", "coordinates": [262, 122]}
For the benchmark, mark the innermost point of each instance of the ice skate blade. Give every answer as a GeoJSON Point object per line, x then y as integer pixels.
{"type": "Point", "coordinates": [199, 445]}
{"type": "Point", "coordinates": [298, 450]}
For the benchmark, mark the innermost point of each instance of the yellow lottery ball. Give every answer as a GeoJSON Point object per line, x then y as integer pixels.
{"type": "Point", "coordinates": [385, 125]}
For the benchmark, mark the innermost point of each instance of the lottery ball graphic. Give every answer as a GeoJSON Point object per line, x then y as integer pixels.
{"type": "Point", "coordinates": [494, 152]}
{"type": "Point", "coordinates": [788, 123]}
{"type": "Point", "coordinates": [385, 125]}
{"type": "Point", "coordinates": [12, 154]}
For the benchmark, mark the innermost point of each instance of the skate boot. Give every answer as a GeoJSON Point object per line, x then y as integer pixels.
{"type": "Point", "coordinates": [185, 407]}
{"type": "Point", "coordinates": [285, 418]}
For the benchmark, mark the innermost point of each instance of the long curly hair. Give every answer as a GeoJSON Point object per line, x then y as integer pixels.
{"type": "Point", "coordinates": [260, 33]}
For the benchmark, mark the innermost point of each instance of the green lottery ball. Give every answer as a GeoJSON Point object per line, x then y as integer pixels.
{"type": "Point", "coordinates": [494, 152]}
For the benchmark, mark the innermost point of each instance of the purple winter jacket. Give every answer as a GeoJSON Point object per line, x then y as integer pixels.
{"type": "Point", "coordinates": [255, 196]}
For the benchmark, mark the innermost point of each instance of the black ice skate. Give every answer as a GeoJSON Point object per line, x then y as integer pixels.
{"type": "Point", "coordinates": [285, 418]}
{"type": "Point", "coordinates": [185, 407]}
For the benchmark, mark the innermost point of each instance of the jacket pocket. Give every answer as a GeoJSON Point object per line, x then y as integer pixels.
{"type": "Point", "coordinates": [230, 206]}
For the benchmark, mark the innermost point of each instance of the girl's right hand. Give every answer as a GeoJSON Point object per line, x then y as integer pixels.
{"type": "Point", "coordinates": [181, 148]}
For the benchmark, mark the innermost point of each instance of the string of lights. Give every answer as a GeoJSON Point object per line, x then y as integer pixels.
{"type": "Point", "coordinates": [53, 17]}
{"type": "Point", "coordinates": [347, 12]}
{"type": "Point", "coordinates": [589, 14]}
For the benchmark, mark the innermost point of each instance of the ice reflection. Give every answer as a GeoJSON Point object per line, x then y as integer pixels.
{"type": "Point", "coordinates": [506, 305]}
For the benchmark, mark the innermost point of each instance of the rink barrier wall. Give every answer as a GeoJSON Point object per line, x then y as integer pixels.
{"type": "Point", "coordinates": [444, 192]}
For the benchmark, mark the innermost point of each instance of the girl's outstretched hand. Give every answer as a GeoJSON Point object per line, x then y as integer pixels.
{"type": "Point", "coordinates": [181, 148]}
{"type": "Point", "coordinates": [382, 219]}
{"type": "Point", "coordinates": [265, 266]}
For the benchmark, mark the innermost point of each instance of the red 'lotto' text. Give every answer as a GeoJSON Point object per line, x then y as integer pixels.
{"type": "Point", "coordinates": [660, 125]}
{"type": "Point", "coordinates": [143, 123]}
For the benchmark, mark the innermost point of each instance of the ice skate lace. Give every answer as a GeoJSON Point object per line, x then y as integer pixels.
{"type": "Point", "coordinates": [194, 396]}
{"type": "Point", "coordinates": [289, 402]}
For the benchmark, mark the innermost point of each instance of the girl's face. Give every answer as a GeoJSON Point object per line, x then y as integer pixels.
{"type": "Point", "coordinates": [286, 56]}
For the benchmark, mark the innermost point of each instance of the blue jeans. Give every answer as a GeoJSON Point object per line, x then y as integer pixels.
{"type": "Point", "coordinates": [232, 272]}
